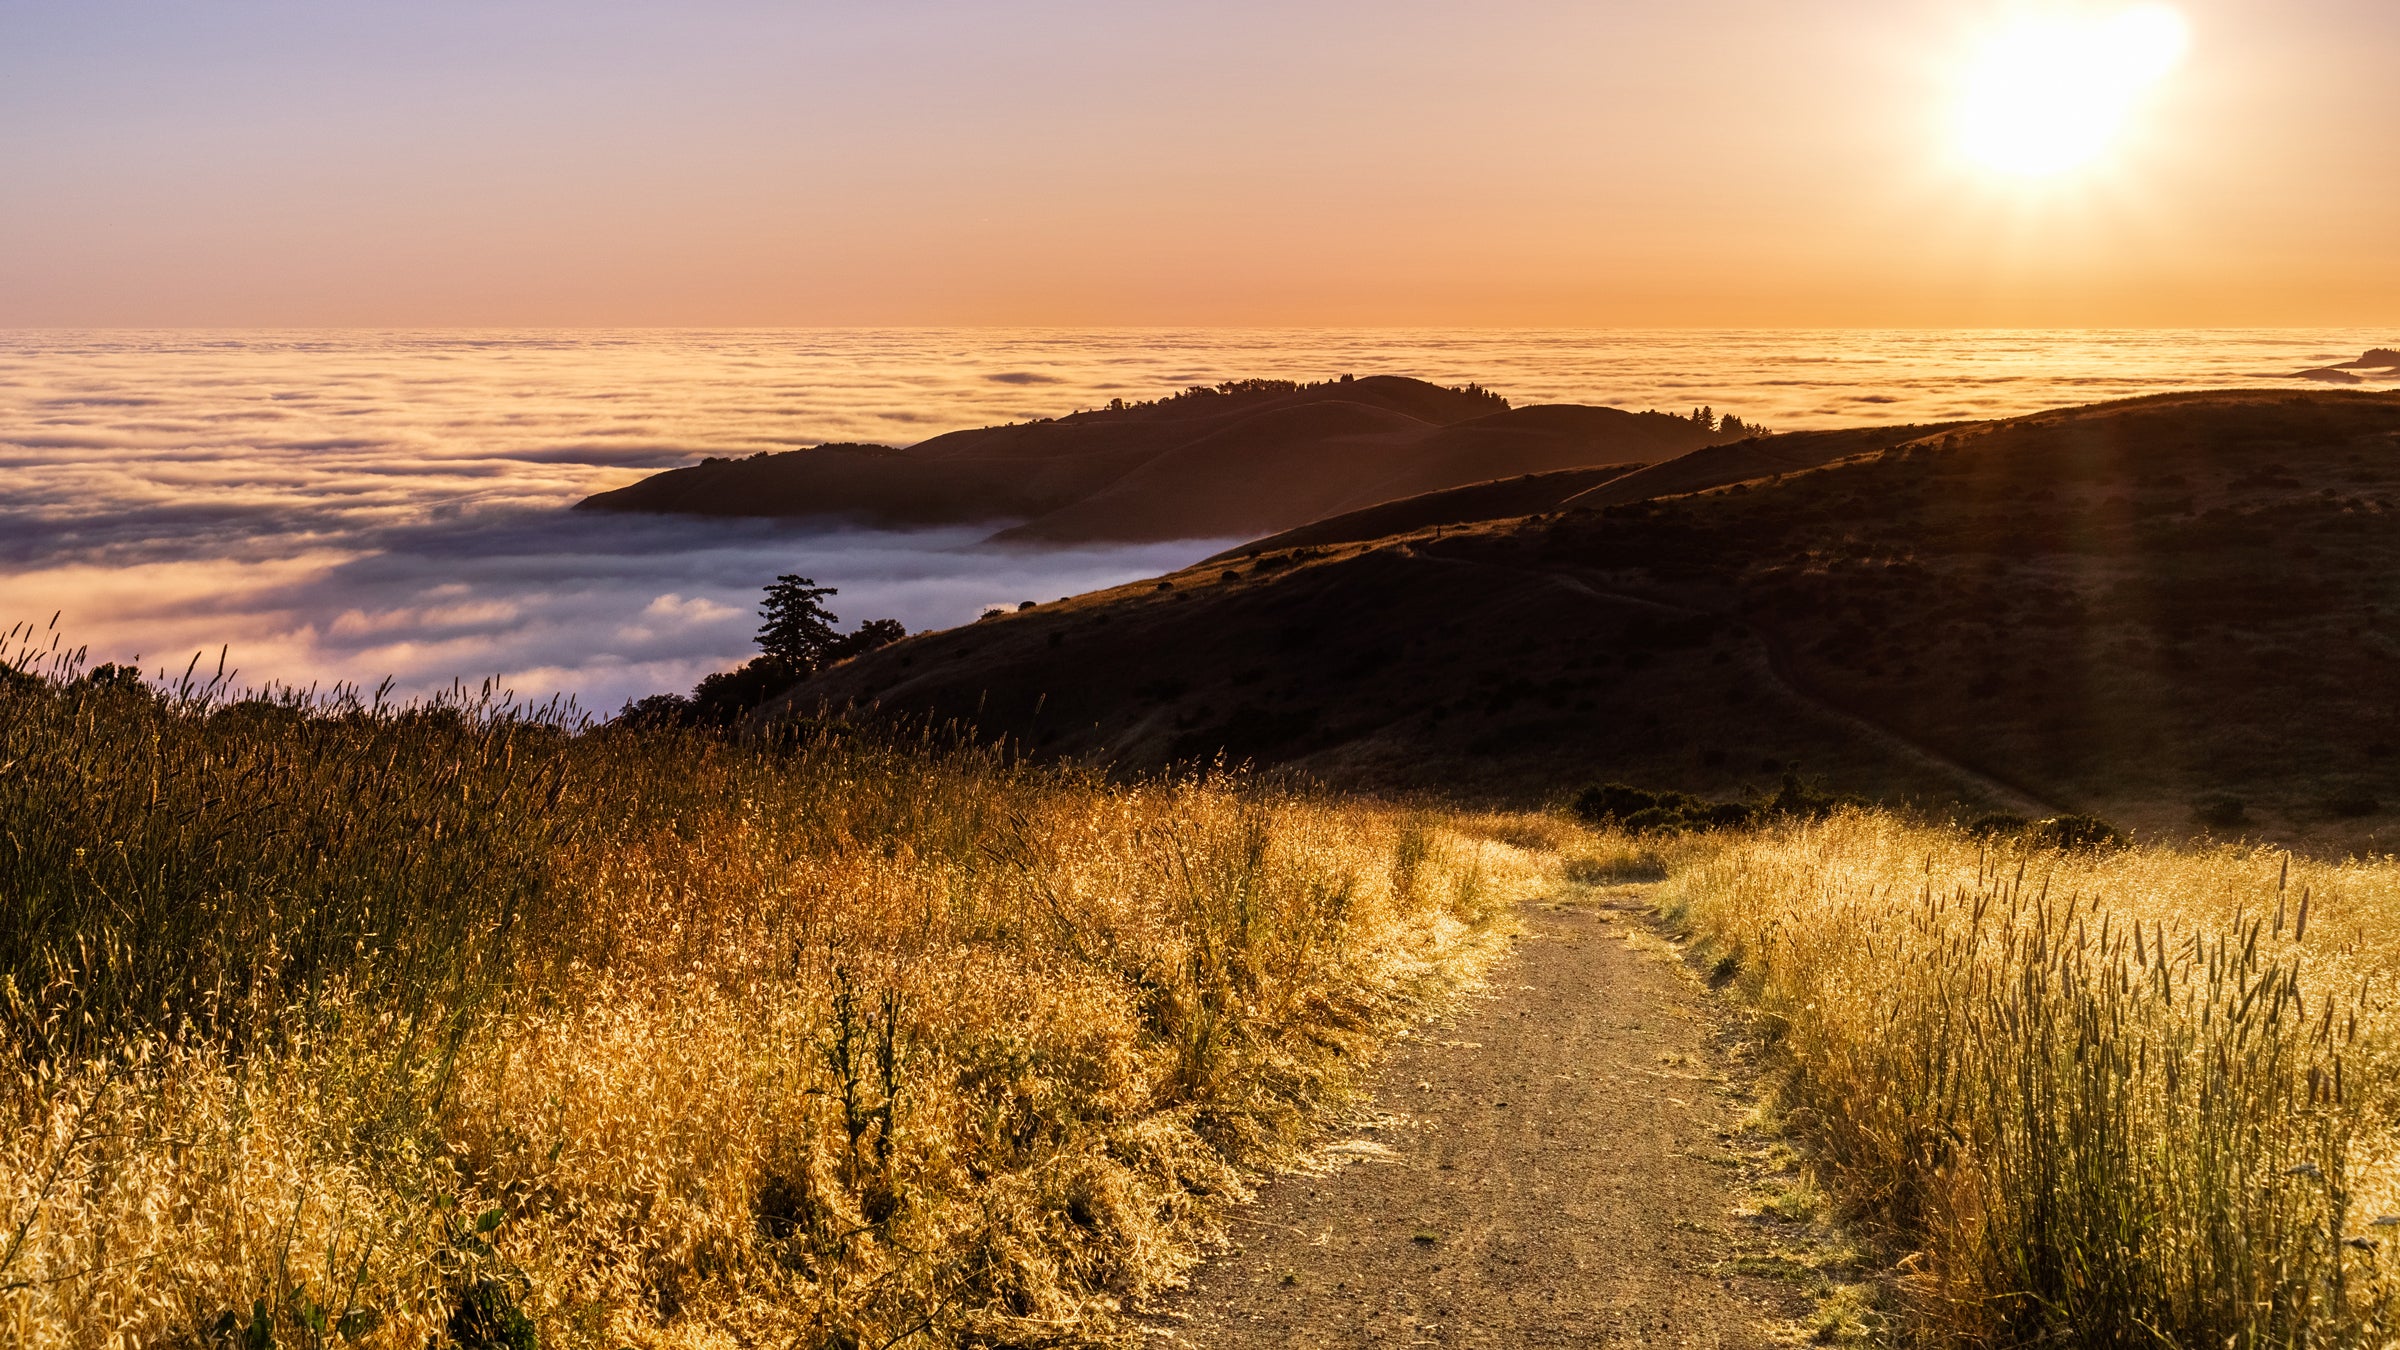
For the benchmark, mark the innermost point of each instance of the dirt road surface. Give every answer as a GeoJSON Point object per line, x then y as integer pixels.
{"type": "Point", "coordinates": [1557, 1163]}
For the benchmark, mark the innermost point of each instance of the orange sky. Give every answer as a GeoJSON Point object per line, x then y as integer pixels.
{"type": "Point", "coordinates": [1713, 162]}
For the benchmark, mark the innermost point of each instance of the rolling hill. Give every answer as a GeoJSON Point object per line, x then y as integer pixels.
{"type": "Point", "coordinates": [1587, 488]}
{"type": "Point", "coordinates": [1241, 460]}
{"type": "Point", "coordinates": [2171, 612]}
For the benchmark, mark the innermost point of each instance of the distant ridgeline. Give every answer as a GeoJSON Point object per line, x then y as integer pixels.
{"type": "Point", "coordinates": [2381, 363]}
{"type": "Point", "coordinates": [2172, 613]}
{"type": "Point", "coordinates": [1234, 461]}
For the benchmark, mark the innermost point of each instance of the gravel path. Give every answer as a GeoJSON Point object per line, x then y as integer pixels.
{"type": "Point", "coordinates": [1553, 1165]}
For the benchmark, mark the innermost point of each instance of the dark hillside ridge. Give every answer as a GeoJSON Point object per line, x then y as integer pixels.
{"type": "Point", "coordinates": [1500, 499]}
{"type": "Point", "coordinates": [1693, 471]}
{"type": "Point", "coordinates": [2146, 610]}
{"type": "Point", "coordinates": [1247, 459]}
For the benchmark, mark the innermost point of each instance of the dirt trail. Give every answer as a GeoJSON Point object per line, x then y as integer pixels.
{"type": "Point", "coordinates": [1547, 1167]}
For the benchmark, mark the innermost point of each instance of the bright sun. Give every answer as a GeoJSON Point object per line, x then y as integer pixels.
{"type": "Point", "coordinates": [2052, 93]}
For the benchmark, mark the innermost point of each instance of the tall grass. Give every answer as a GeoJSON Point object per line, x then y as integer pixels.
{"type": "Point", "coordinates": [335, 1023]}
{"type": "Point", "coordinates": [2110, 1097]}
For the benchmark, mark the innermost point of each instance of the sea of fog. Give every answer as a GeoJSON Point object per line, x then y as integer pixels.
{"type": "Point", "coordinates": [356, 505]}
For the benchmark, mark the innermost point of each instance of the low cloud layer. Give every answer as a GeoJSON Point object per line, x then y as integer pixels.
{"type": "Point", "coordinates": [602, 607]}
{"type": "Point", "coordinates": [351, 506]}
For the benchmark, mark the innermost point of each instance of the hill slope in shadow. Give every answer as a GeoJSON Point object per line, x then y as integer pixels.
{"type": "Point", "coordinates": [1588, 488]}
{"type": "Point", "coordinates": [1245, 459]}
{"type": "Point", "coordinates": [2124, 609]}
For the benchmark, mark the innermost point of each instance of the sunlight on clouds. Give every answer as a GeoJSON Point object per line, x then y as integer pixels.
{"type": "Point", "coordinates": [683, 609]}
{"type": "Point", "coordinates": [479, 615]}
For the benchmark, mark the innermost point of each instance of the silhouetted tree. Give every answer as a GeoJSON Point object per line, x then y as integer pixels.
{"type": "Point", "coordinates": [797, 640]}
{"type": "Point", "coordinates": [798, 631]}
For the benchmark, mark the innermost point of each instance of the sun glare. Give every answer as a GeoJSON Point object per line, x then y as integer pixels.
{"type": "Point", "coordinates": [2053, 93]}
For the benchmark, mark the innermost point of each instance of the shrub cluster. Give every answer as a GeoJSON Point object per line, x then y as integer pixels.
{"type": "Point", "coordinates": [2057, 832]}
{"type": "Point", "coordinates": [1639, 811]}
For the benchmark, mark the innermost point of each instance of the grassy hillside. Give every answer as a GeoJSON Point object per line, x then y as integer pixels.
{"type": "Point", "coordinates": [2097, 1098]}
{"type": "Point", "coordinates": [1243, 459]}
{"type": "Point", "coordinates": [1584, 487]}
{"type": "Point", "coordinates": [1499, 499]}
{"type": "Point", "coordinates": [334, 1023]}
{"type": "Point", "coordinates": [2175, 612]}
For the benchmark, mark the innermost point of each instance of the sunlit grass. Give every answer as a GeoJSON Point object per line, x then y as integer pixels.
{"type": "Point", "coordinates": [2100, 1096]}
{"type": "Point", "coordinates": [347, 1025]}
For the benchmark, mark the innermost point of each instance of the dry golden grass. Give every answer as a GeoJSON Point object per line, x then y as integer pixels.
{"type": "Point", "coordinates": [2101, 1097]}
{"type": "Point", "coordinates": [345, 1027]}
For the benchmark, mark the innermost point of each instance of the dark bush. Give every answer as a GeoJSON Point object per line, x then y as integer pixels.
{"type": "Point", "coordinates": [720, 700]}
{"type": "Point", "coordinates": [1724, 815]}
{"type": "Point", "coordinates": [1654, 820]}
{"type": "Point", "coordinates": [1605, 802]}
{"type": "Point", "coordinates": [1640, 812]}
{"type": "Point", "coordinates": [2071, 832]}
{"type": "Point", "coordinates": [1796, 798]}
{"type": "Point", "coordinates": [2221, 811]}
{"type": "Point", "coordinates": [116, 679]}
{"type": "Point", "coordinates": [657, 712]}
{"type": "Point", "coordinates": [871, 635]}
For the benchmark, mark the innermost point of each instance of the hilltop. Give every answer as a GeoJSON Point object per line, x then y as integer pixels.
{"type": "Point", "coordinates": [1238, 460]}
{"type": "Point", "coordinates": [2169, 611]}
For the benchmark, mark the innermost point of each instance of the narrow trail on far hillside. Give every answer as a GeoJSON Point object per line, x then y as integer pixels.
{"type": "Point", "coordinates": [1554, 1165]}
{"type": "Point", "coordinates": [1771, 661]}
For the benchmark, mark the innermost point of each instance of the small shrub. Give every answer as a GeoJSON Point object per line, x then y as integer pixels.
{"type": "Point", "coordinates": [488, 1318]}
{"type": "Point", "coordinates": [1724, 969]}
{"type": "Point", "coordinates": [1723, 815]}
{"type": "Point", "coordinates": [1605, 802]}
{"type": "Point", "coordinates": [2070, 832]}
{"type": "Point", "coordinates": [1797, 798]}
